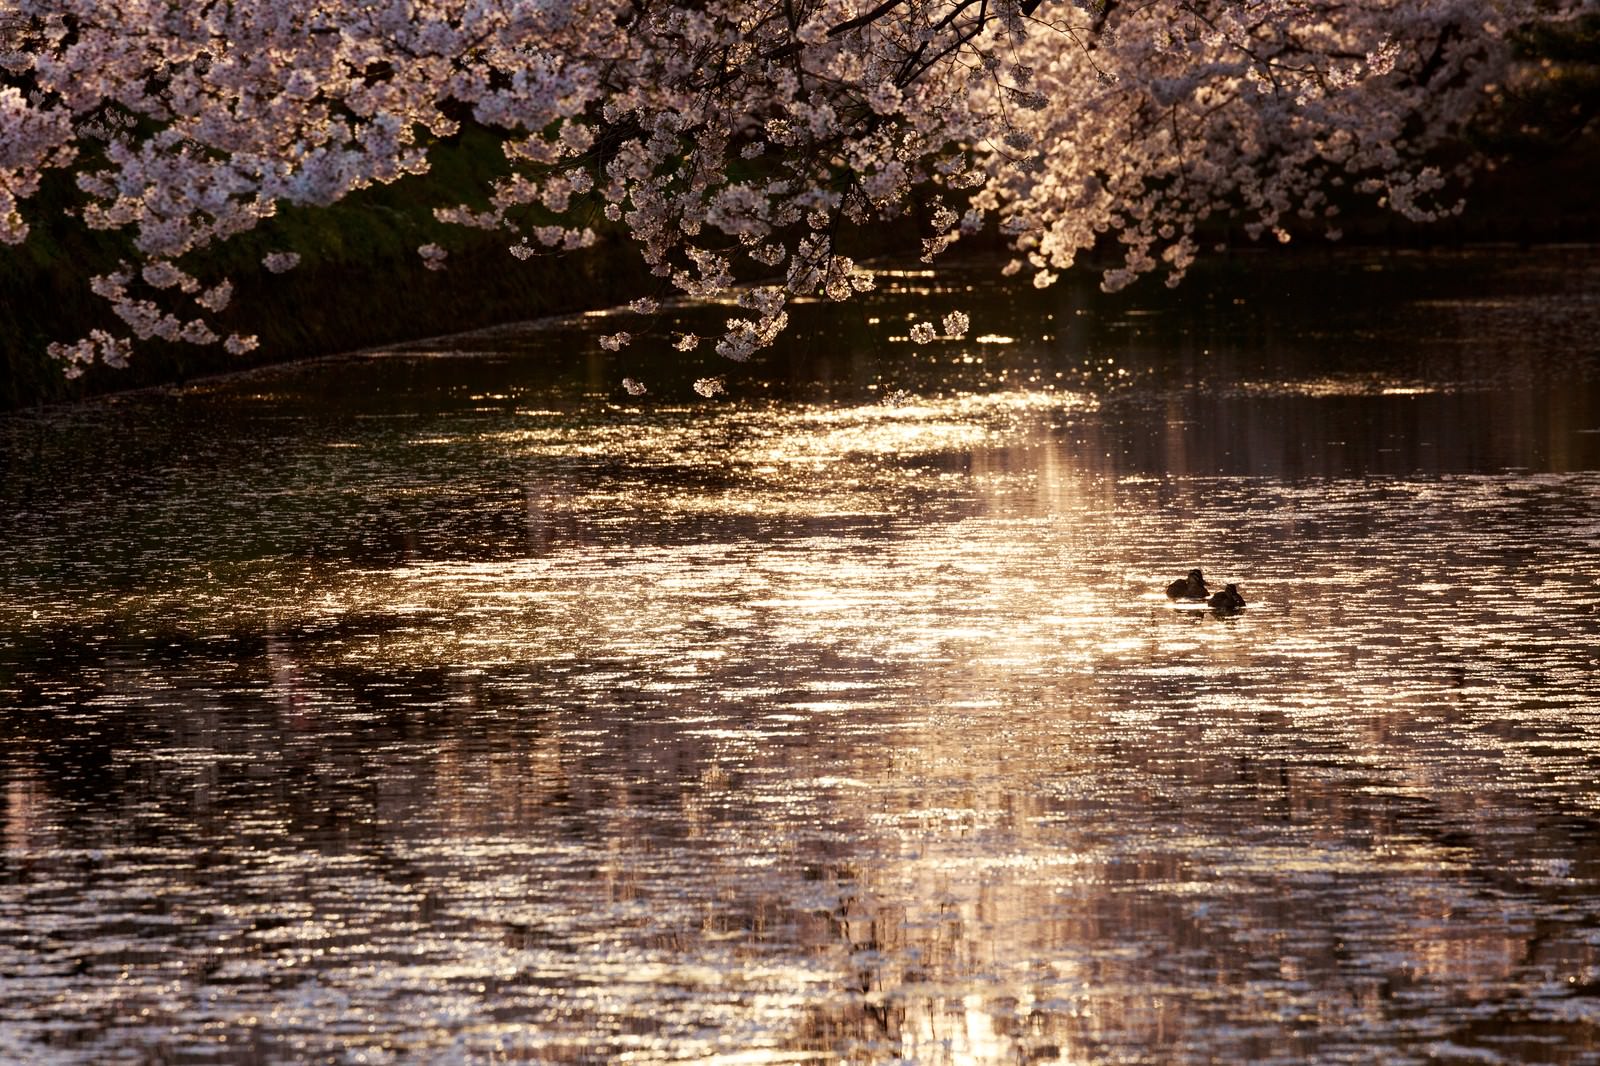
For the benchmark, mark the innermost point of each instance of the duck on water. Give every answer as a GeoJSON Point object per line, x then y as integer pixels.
{"type": "Point", "coordinates": [1228, 600]}
{"type": "Point", "coordinates": [1194, 587]}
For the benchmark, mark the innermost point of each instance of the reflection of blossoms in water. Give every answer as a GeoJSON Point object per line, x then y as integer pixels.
{"type": "Point", "coordinates": [897, 398]}
{"type": "Point", "coordinates": [634, 387]}
{"type": "Point", "coordinates": [709, 387]}
{"type": "Point", "coordinates": [923, 333]}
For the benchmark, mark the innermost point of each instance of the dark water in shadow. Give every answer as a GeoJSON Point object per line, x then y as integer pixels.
{"type": "Point", "coordinates": [447, 705]}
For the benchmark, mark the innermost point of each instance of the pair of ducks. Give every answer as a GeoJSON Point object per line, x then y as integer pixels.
{"type": "Point", "coordinates": [1193, 587]}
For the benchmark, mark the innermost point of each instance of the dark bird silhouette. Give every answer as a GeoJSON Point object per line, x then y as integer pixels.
{"type": "Point", "coordinates": [1192, 587]}
{"type": "Point", "coordinates": [1228, 599]}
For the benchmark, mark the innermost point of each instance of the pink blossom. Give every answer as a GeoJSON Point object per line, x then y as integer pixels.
{"type": "Point", "coordinates": [1128, 125]}
{"type": "Point", "coordinates": [432, 255]}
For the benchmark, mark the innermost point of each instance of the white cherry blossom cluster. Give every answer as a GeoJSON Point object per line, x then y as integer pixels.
{"type": "Point", "coordinates": [1268, 112]}
{"type": "Point", "coordinates": [955, 325]}
{"type": "Point", "coordinates": [734, 141]}
{"type": "Point", "coordinates": [433, 256]}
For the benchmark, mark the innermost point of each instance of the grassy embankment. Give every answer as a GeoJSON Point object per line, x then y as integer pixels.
{"type": "Point", "coordinates": [360, 282]}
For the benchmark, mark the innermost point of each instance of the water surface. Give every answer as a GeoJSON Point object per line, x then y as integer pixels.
{"type": "Point", "coordinates": [445, 704]}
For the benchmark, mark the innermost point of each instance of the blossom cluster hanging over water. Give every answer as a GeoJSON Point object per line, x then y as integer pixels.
{"type": "Point", "coordinates": [731, 140]}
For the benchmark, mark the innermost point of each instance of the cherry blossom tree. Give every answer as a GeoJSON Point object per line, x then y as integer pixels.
{"type": "Point", "coordinates": [732, 141]}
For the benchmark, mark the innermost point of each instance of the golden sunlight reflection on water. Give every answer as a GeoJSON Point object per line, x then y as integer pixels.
{"type": "Point", "coordinates": [817, 729]}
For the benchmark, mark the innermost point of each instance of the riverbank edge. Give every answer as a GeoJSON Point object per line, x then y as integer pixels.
{"type": "Point", "coordinates": [337, 304]}
{"type": "Point", "coordinates": [362, 286]}
{"type": "Point", "coordinates": [1246, 259]}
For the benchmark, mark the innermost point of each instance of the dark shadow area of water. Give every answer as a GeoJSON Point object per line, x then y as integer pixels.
{"type": "Point", "coordinates": [448, 704]}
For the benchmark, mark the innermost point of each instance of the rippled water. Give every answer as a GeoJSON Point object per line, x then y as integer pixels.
{"type": "Point", "coordinates": [447, 705]}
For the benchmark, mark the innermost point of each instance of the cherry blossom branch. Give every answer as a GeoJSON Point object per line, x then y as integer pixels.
{"type": "Point", "coordinates": [729, 140]}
